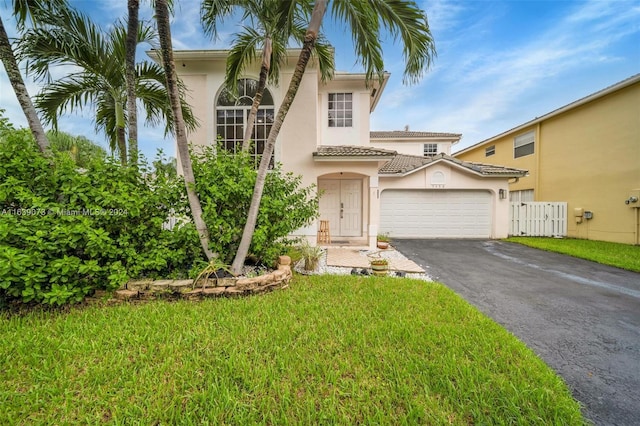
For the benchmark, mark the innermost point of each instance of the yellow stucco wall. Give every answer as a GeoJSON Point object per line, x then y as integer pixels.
{"type": "Point", "coordinates": [588, 156]}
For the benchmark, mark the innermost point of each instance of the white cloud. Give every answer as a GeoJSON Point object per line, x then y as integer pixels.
{"type": "Point", "coordinates": [482, 82]}
{"type": "Point", "coordinates": [476, 86]}
{"type": "Point", "coordinates": [443, 14]}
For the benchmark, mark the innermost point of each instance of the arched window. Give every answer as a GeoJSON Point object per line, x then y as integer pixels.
{"type": "Point", "coordinates": [232, 113]}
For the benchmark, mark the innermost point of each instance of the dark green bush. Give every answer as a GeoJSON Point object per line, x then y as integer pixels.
{"type": "Point", "coordinates": [65, 232]}
{"type": "Point", "coordinates": [225, 184]}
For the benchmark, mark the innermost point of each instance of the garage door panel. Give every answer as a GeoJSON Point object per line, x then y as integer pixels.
{"type": "Point", "coordinates": [435, 214]}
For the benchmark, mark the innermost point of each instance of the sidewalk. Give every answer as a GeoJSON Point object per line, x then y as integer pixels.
{"type": "Point", "coordinates": [354, 258]}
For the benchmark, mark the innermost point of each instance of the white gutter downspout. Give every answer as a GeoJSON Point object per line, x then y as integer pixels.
{"type": "Point", "coordinates": [538, 151]}
{"type": "Point", "coordinates": [636, 229]}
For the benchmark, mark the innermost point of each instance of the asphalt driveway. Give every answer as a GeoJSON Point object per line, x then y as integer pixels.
{"type": "Point", "coordinates": [582, 318]}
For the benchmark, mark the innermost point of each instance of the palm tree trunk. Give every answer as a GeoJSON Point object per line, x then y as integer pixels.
{"type": "Point", "coordinates": [20, 89]}
{"type": "Point", "coordinates": [120, 132]}
{"type": "Point", "coordinates": [262, 83]}
{"type": "Point", "coordinates": [164, 32]}
{"type": "Point", "coordinates": [130, 64]}
{"type": "Point", "coordinates": [310, 38]}
{"type": "Point", "coordinates": [122, 145]}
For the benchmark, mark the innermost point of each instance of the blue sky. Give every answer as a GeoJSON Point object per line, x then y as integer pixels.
{"type": "Point", "coordinates": [499, 63]}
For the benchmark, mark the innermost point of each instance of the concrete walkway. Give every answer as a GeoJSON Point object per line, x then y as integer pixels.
{"type": "Point", "coordinates": [355, 258]}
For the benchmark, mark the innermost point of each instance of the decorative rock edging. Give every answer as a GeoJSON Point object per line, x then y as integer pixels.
{"type": "Point", "coordinates": [227, 286]}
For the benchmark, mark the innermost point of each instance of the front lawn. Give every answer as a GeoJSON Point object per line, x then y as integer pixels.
{"type": "Point", "coordinates": [623, 256]}
{"type": "Point", "coordinates": [328, 350]}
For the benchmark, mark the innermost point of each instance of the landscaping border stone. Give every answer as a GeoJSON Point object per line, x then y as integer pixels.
{"type": "Point", "coordinates": [211, 287]}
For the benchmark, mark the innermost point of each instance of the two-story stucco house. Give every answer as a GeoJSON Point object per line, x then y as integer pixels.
{"type": "Point", "coordinates": [587, 154]}
{"type": "Point", "coordinates": [403, 183]}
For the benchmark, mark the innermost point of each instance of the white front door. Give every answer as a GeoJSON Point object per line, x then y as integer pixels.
{"type": "Point", "coordinates": [341, 205]}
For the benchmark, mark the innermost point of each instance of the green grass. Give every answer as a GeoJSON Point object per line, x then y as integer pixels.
{"type": "Point", "coordinates": [328, 350]}
{"type": "Point", "coordinates": [623, 256]}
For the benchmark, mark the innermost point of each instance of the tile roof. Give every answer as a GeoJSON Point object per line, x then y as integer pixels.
{"type": "Point", "coordinates": [352, 151]}
{"type": "Point", "coordinates": [403, 164]}
{"type": "Point", "coordinates": [399, 134]}
{"type": "Point", "coordinates": [400, 164]}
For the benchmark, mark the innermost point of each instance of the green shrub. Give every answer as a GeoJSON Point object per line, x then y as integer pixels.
{"type": "Point", "coordinates": [66, 232]}
{"type": "Point", "coordinates": [225, 184]}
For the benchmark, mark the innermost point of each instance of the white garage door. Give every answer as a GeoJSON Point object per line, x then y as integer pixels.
{"type": "Point", "coordinates": [435, 214]}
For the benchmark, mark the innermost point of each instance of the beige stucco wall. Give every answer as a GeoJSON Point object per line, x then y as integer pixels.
{"type": "Point", "coordinates": [297, 139]}
{"type": "Point", "coordinates": [367, 172]}
{"type": "Point", "coordinates": [204, 80]}
{"type": "Point", "coordinates": [306, 127]}
{"type": "Point", "coordinates": [358, 134]}
{"type": "Point", "coordinates": [456, 179]}
{"type": "Point", "coordinates": [588, 156]}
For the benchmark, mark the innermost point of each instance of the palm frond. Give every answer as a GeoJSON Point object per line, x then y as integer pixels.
{"type": "Point", "coordinates": [322, 50]}
{"type": "Point", "coordinates": [364, 25]}
{"type": "Point", "coordinates": [407, 22]}
{"type": "Point", "coordinates": [36, 10]}
{"type": "Point", "coordinates": [241, 55]}
{"type": "Point", "coordinates": [213, 12]}
{"type": "Point", "coordinates": [106, 121]}
{"type": "Point", "coordinates": [66, 95]}
{"type": "Point", "coordinates": [70, 38]}
{"type": "Point", "coordinates": [152, 93]}
{"type": "Point", "coordinates": [324, 53]}
{"type": "Point", "coordinates": [118, 35]}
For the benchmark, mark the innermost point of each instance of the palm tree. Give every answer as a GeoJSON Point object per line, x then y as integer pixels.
{"type": "Point", "coordinates": [79, 148]}
{"type": "Point", "coordinates": [404, 20]}
{"type": "Point", "coordinates": [71, 38]}
{"type": "Point", "coordinates": [23, 9]}
{"type": "Point", "coordinates": [166, 51]}
{"type": "Point", "coordinates": [273, 23]}
{"type": "Point", "coordinates": [131, 43]}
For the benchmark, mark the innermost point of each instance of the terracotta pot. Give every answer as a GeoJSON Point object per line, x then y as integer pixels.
{"type": "Point", "coordinates": [383, 245]}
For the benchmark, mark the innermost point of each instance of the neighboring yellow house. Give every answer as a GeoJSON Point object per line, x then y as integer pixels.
{"type": "Point", "coordinates": [586, 153]}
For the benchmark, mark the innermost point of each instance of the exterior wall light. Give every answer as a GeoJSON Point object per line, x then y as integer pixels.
{"type": "Point", "coordinates": [502, 193]}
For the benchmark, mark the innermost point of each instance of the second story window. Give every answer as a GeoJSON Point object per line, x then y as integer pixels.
{"type": "Point", "coordinates": [232, 112]}
{"type": "Point", "coordinates": [489, 151]}
{"type": "Point", "coordinates": [430, 149]}
{"type": "Point", "coordinates": [340, 109]}
{"type": "Point", "coordinates": [523, 144]}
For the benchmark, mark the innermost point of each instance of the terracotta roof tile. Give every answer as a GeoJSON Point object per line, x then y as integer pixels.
{"type": "Point", "coordinates": [402, 164]}
{"type": "Point", "coordinates": [351, 151]}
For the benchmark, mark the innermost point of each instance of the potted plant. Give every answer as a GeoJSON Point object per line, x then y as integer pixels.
{"type": "Point", "coordinates": [311, 255]}
{"type": "Point", "coordinates": [379, 266]}
{"type": "Point", "coordinates": [383, 241]}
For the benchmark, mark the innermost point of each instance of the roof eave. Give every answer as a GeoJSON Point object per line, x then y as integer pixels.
{"type": "Point", "coordinates": [351, 157]}
{"type": "Point", "coordinates": [452, 139]}
{"type": "Point", "coordinates": [377, 92]}
{"type": "Point", "coordinates": [200, 54]}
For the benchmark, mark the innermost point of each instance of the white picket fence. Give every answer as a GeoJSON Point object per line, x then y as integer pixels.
{"type": "Point", "coordinates": [538, 219]}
